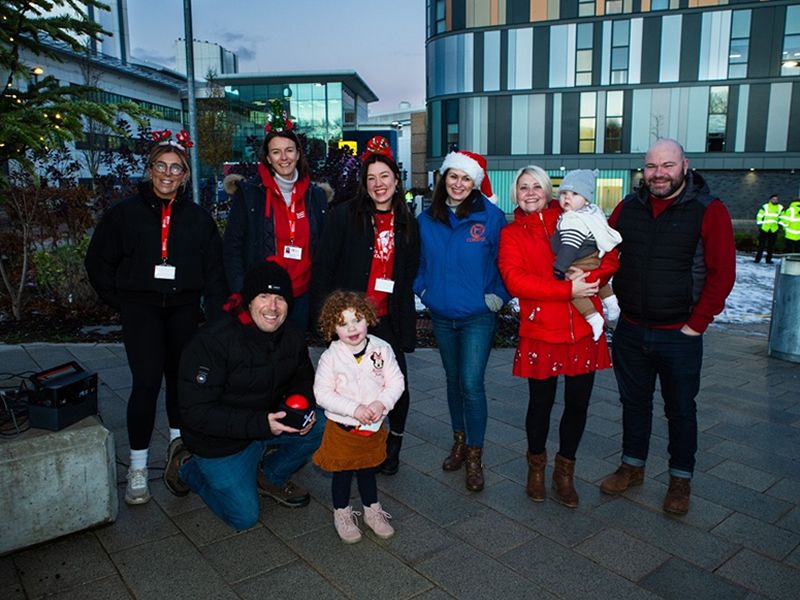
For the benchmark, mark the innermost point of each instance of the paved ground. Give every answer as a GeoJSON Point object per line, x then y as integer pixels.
{"type": "Point", "coordinates": [740, 540]}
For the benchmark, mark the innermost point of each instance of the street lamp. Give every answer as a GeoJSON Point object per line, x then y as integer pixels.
{"type": "Point", "coordinates": [36, 71]}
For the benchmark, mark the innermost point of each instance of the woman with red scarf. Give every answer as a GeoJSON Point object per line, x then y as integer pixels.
{"type": "Point", "coordinates": [278, 215]}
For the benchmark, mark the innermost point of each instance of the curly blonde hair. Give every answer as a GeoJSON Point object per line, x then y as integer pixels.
{"type": "Point", "coordinates": [331, 315]}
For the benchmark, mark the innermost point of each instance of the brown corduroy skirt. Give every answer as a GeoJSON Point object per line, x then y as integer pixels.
{"type": "Point", "coordinates": [341, 450]}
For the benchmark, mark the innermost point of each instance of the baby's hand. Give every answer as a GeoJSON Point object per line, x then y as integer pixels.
{"type": "Point", "coordinates": [377, 410]}
{"type": "Point", "coordinates": [364, 414]}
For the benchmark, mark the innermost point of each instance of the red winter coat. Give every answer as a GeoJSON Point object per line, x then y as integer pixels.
{"type": "Point", "coordinates": [525, 261]}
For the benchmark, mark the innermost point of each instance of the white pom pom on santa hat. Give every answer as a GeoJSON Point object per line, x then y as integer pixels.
{"type": "Point", "coordinates": [474, 165]}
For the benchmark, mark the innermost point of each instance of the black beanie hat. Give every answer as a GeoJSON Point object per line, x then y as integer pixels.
{"type": "Point", "coordinates": [267, 278]}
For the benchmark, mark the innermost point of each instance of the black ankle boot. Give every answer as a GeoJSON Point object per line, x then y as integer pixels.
{"type": "Point", "coordinates": [392, 463]}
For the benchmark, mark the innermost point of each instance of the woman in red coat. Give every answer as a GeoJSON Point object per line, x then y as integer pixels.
{"type": "Point", "coordinates": [553, 338]}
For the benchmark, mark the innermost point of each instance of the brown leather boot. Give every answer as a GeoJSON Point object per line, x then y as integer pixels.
{"type": "Point", "coordinates": [624, 477]}
{"type": "Point", "coordinates": [563, 475]}
{"type": "Point", "coordinates": [455, 459]}
{"type": "Point", "coordinates": [535, 488]}
{"type": "Point", "coordinates": [474, 469]}
{"type": "Point", "coordinates": [677, 499]}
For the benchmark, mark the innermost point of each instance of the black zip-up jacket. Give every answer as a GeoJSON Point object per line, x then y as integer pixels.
{"type": "Point", "coordinates": [230, 376]}
{"type": "Point", "coordinates": [250, 235]}
{"type": "Point", "coordinates": [126, 247]}
{"type": "Point", "coordinates": [344, 258]}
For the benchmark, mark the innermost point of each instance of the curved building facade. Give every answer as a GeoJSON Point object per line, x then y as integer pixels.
{"type": "Point", "coordinates": [571, 84]}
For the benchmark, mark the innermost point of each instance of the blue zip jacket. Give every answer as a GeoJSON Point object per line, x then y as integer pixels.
{"type": "Point", "coordinates": [458, 263]}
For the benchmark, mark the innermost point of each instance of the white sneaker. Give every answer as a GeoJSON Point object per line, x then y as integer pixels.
{"type": "Point", "coordinates": [377, 519]}
{"type": "Point", "coordinates": [612, 307]}
{"type": "Point", "coordinates": [137, 491]}
{"type": "Point", "coordinates": [346, 522]}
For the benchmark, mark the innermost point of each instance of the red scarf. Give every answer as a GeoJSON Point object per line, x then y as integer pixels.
{"type": "Point", "coordinates": [299, 270]}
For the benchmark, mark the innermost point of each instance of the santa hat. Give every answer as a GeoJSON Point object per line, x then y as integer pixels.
{"type": "Point", "coordinates": [474, 165]}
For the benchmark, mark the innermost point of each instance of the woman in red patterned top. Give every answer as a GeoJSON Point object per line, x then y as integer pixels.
{"type": "Point", "coordinates": [370, 244]}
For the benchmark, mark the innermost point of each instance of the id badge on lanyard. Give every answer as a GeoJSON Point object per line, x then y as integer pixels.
{"type": "Point", "coordinates": [291, 251]}
{"type": "Point", "coordinates": [165, 270]}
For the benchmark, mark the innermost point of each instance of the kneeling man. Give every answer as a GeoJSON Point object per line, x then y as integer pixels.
{"type": "Point", "coordinates": [233, 377]}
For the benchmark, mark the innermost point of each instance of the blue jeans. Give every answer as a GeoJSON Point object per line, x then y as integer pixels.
{"type": "Point", "coordinates": [228, 484]}
{"type": "Point", "coordinates": [640, 354]}
{"type": "Point", "coordinates": [464, 345]}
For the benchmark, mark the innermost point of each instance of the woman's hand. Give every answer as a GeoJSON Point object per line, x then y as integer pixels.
{"type": "Point", "coordinates": [582, 289]}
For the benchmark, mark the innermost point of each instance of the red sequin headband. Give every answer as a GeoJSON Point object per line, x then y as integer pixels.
{"type": "Point", "coordinates": [182, 139]}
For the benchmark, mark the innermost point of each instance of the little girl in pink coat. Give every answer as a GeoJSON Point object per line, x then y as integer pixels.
{"type": "Point", "coordinates": [357, 382]}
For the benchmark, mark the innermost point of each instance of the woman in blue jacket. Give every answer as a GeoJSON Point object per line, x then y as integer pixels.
{"type": "Point", "coordinates": [459, 282]}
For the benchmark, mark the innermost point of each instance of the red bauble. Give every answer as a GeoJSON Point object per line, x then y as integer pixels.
{"type": "Point", "coordinates": [297, 402]}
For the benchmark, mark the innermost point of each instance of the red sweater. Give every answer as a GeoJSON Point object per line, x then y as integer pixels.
{"type": "Point", "coordinates": [719, 255]}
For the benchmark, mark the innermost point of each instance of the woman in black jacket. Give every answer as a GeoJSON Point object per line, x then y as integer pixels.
{"type": "Point", "coordinates": [278, 215]}
{"type": "Point", "coordinates": [154, 257]}
{"type": "Point", "coordinates": [371, 244]}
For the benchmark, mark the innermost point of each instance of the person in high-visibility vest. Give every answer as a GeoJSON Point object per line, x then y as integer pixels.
{"type": "Point", "coordinates": [790, 221]}
{"type": "Point", "coordinates": [767, 222]}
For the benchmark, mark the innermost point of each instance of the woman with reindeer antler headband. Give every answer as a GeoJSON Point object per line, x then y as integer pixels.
{"type": "Point", "coordinates": [155, 257]}
{"type": "Point", "coordinates": [278, 215]}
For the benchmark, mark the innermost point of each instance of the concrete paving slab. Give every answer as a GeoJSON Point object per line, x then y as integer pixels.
{"type": "Point", "coordinates": [678, 580]}
{"type": "Point", "coordinates": [492, 533]}
{"type": "Point", "coordinates": [110, 588]}
{"type": "Point", "coordinates": [775, 542]}
{"type": "Point", "coordinates": [762, 575]}
{"type": "Point", "coordinates": [295, 581]}
{"type": "Point", "coordinates": [248, 555]}
{"type": "Point", "coordinates": [623, 554]}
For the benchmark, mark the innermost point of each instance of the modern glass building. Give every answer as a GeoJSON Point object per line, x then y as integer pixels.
{"type": "Point", "coordinates": [324, 104]}
{"type": "Point", "coordinates": [592, 83]}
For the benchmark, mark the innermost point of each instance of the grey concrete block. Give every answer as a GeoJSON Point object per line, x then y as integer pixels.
{"type": "Point", "coordinates": [667, 533]}
{"type": "Point", "coordinates": [775, 542]}
{"type": "Point", "coordinates": [622, 554]}
{"type": "Point", "coordinates": [568, 575]}
{"type": "Point", "coordinates": [352, 568]}
{"type": "Point", "coordinates": [295, 581]}
{"type": "Point", "coordinates": [477, 577]}
{"type": "Point", "coordinates": [762, 575]}
{"type": "Point", "coordinates": [110, 588]}
{"type": "Point", "coordinates": [170, 568]}
{"type": "Point", "coordinates": [64, 564]}
{"type": "Point", "coordinates": [252, 553]}
{"type": "Point", "coordinates": [492, 533]}
{"type": "Point", "coordinates": [12, 592]}
{"type": "Point", "coordinates": [740, 474]}
{"type": "Point", "coordinates": [678, 580]}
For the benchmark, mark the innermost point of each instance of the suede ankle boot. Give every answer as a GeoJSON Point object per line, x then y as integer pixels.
{"type": "Point", "coordinates": [455, 459]}
{"type": "Point", "coordinates": [563, 483]}
{"type": "Point", "coordinates": [535, 488]}
{"type": "Point", "coordinates": [474, 469]}
{"type": "Point", "coordinates": [391, 465]}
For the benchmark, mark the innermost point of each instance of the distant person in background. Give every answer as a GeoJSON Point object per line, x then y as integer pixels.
{"type": "Point", "coordinates": [790, 221]}
{"type": "Point", "coordinates": [767, 222]}
{"type": "Point", "coordinates": [459, 282]}
{"type": "Point", "coordinates": [278, 215]}
{"type": "Point", "coordinates": [677, 266]}
{"type": "Point", "coordinates": [156, 257]}
{"type": "Point", "coordinates": [371, 245]}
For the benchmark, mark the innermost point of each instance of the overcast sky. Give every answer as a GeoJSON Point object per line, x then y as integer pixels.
{"type": "Point", "coordinates": [382, 40]}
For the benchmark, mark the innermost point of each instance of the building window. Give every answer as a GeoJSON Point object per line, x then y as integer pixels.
{"type": "Point", "coordinates": [583, 55]}
{"type": "Point", "coordinates": [441, 21]}
{"type": "Point", "coordinates": [586, 128]}
{"type": "Point", "coordinates": [790, 61]}
{"type": "Point", "coordinates": [613, 7]}
{"type": "Point", "coordinates": [717, 118]}
{"type": "Point", "coordinates": [451, 123]}
{"type": "Point", "coordinates": [613, 137]}
{"type": "Point", "coordinates": [620, 42]}
{"type": "Point", "coordinates": [740, 44]}
{"type": "Point", "coordinates": [659, 5]}
{"type": "Point", "coordinates": [585, 8]}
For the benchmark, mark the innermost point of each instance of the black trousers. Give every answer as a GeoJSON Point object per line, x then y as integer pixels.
{"type": "Point", "coordinates": [399, 414]}
{"type": "Point", "coordinates": [154, 337]}
{"type": "Point", "coordinates": [577, 391]}
{"type": "Point", "coordinates": [766, 239]}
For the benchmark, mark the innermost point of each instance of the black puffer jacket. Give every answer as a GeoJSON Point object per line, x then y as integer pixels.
{"type": "Point", "coordinates": [230, 376]}
{"type": "Point", "coordinates": [344, 259]}
{"type": "Point", "coordinates": [250, 235]}
{"type": "Point", "coordinates": [126, 247]}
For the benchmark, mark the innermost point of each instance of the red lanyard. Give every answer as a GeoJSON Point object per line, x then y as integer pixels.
{"type": "Point", "coordinates": [166, 213]}
{"type": "Point", "coordinates": [292, 217]}
{"type": "Point", "coordinates": [384, 247]}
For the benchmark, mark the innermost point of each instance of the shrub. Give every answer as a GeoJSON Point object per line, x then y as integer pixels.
{"type": "Point", "coordinates": [59, 272]}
